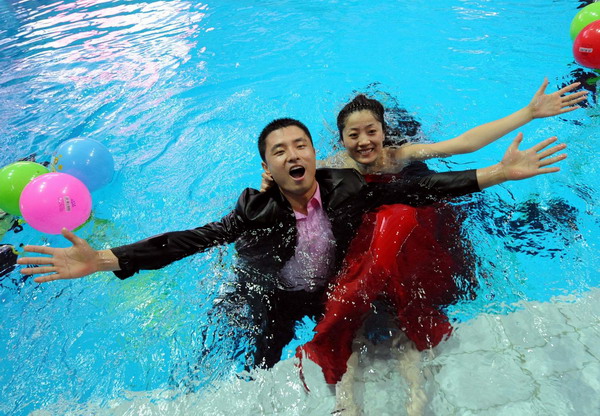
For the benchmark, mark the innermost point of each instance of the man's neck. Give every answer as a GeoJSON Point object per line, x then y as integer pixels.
{"type": "Point", "coordinates": [299, 203]}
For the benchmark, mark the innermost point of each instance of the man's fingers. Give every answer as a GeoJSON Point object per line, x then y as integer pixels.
{"type": "Point", "coordinates": [49, 278]}
{"type": "Point", "coordinates": [548, 170]}
{"type": "Point", "coordinates": [517, 141]}
{"type": "Point", "coordinates": [544, 143]}
{"type": "Point", "coordinates": [38, 270]}
{"type": "Point", "coordinates": [35, 260]}
{"type": "Point", "coordinates": [552, 150]}
{"type": "Point", "coordinates": [552, 160]}
{"type": "Point", "coordinates": [69, 235]}
{"type": "Point", "coordinates": [39, 249]}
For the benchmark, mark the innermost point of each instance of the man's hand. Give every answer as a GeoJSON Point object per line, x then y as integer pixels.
{"type": "Point", "coordinates": [73, 262]}
{"type": "Point", "coordinates": [522, 164]}
{"type": "Point", "coordinates": [547, 105]}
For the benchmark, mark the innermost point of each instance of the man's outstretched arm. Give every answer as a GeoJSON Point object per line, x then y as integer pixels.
{"type": "Point", "coordinates": [515, 165]}
{"type": "Point", "coordinates": [81, 259]}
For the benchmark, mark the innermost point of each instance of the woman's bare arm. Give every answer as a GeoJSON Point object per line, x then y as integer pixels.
{"type": "Point", "coordinates": [542, 105]}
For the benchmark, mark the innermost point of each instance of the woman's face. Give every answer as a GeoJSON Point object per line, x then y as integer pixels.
{"type": "Point", "coordinates": [363, 137]}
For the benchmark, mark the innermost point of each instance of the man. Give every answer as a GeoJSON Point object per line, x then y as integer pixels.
{"type": "Point", "coordinates": [292, 238]}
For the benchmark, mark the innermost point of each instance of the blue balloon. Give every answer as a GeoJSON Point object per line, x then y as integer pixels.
{"type": "Point", "coordinates": [86, 159]}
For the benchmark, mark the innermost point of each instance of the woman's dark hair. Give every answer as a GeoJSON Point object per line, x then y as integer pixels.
{"type": "Point", "coordinates": [400, 127]}
{"type": "Point", "coordinates": [276, 125]}
{"type": "Point", "coordinates": [359, 103]}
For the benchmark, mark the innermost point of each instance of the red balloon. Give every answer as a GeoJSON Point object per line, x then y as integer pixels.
{"type": "Point", "coordinates": [586, 48]}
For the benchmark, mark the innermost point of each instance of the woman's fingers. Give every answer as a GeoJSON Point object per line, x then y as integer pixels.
{"type": "Point", "coordinates": [542, 89]}
{"type": "Point", "coordinates": [569, 87]}
{"type": "Point", "coordinates": [575, 95]}
{"type": "Point", "coordinates": [574, 98]}
{"type": "Point", "coordinates": [569, 109]}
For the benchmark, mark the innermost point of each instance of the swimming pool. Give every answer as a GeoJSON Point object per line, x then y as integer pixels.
{"type": "Point", "coordinates": [179, 90]}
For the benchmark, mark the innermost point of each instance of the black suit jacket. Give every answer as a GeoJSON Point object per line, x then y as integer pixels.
{"type": "Point", "coordinates": [263, 225]}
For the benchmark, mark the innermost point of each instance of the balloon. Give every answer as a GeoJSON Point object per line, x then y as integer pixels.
{"type": "Point", "coordinates": [586, 48]}
{"type": "Point", "coordinates": [86, 159]}
{"type": "Point", "coordinates": [587, 15]}
{"type": "Point", "coordinates": [13, 179]}
{"type": "Point", "coordinates": [55, 200]}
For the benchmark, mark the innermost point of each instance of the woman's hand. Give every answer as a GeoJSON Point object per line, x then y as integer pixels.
{"type": "Point", "coordinates": [547, 105]}
{"type": "Point", "coordinates": [267, 182]}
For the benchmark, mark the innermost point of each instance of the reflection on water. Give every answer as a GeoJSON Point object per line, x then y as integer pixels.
{"type": "Point", "coordinates": [77, 57]}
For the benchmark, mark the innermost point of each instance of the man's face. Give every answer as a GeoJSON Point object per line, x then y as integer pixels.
{"type": "Point", "coordinates": [291, 161]}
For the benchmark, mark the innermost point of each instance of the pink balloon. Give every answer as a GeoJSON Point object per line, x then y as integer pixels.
{"type": "Point", "coordinates": [55, 200]}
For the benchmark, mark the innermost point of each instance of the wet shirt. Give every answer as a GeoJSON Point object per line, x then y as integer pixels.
{"type": "Point", "coordinates": [311, 264]}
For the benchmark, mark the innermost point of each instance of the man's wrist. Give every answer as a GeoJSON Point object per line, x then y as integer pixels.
{"type": "Point", "coordinates": [106, 261]}
{"type": "Point", "coordinates": [492, 175]}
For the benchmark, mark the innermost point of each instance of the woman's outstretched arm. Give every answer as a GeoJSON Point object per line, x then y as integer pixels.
{"type": "Point", "coordinates": [542, 105]}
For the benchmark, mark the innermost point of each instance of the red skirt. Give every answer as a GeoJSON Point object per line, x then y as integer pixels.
{"type": "Point", "coordinates": [409, 258]}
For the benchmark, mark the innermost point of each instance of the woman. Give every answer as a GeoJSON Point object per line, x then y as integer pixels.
{"type": "Point", "coordinates": [407, 257]}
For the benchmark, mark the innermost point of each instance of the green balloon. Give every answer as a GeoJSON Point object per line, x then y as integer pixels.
{"type": "Point", "coordinates": [13, 179]}
{"type": "Point", "coordinates": [587, 15]}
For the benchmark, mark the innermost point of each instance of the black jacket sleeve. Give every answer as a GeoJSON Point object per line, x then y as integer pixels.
{"type": "Point", "coordinates": [163, 249]}
{"type": "Point", "coordinates": [425, 189]}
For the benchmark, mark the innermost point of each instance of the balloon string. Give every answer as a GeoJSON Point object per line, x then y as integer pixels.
{"type": "Point", "coordinates": [15, 251]}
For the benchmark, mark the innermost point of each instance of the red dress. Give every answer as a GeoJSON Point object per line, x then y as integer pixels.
{"type": "Point", "coordinates": [409, 258]}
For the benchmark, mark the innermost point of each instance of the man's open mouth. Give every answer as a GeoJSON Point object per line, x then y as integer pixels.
{"type": "Point", "coordinates": [297, 172]}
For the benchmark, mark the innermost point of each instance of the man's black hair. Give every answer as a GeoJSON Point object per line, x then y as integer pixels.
{"type": "Point", "coordinates": [276, 125]}
{"type": "Point", "coordinates": [359, 103]}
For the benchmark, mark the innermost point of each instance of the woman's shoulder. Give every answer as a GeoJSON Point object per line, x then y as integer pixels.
{"type": "Point", "coordinates": [396, 152]}
{"type": "Point", "coordinates": [394, 160]}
